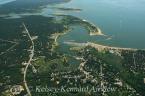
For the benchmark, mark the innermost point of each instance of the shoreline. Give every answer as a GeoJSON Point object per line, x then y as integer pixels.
{"type": "Point", "coordinates": [104, 47]}
{"type": "Point", "coordinates": [99, 46]}
{"type": "Point", "coordinates": [55, 37]}
{"type": "Point", "coordinates": [99, 33]}
{"type": "Point", "coordinates": [67, 9]}
{"type": "Point", "coordinates": [90, 27]}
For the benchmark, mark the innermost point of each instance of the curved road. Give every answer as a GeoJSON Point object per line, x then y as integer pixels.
{"type": "Point", "coordinates": [29, 61]}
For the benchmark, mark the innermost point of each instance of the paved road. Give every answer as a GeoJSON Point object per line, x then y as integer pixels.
{"type": "Point", "coordinates": [29, 61]}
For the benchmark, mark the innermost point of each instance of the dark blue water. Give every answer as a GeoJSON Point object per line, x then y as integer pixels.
{"type": "Point", "coordinates": [121, 19]}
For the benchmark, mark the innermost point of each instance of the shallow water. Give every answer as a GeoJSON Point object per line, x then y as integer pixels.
{"type": "Point", "coordinates": [122, 19]}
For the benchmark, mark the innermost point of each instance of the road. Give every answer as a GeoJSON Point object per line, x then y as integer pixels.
{"type": "Point", "coordinates": [29, 61]}
{"type": "Point", "coordinates": [15, 44]}
{"type": "Point", "coordinates": [8, 49]}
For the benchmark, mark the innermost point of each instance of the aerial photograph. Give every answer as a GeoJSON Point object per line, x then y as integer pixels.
{"type": "Point", "coordinates": [72, 47]}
